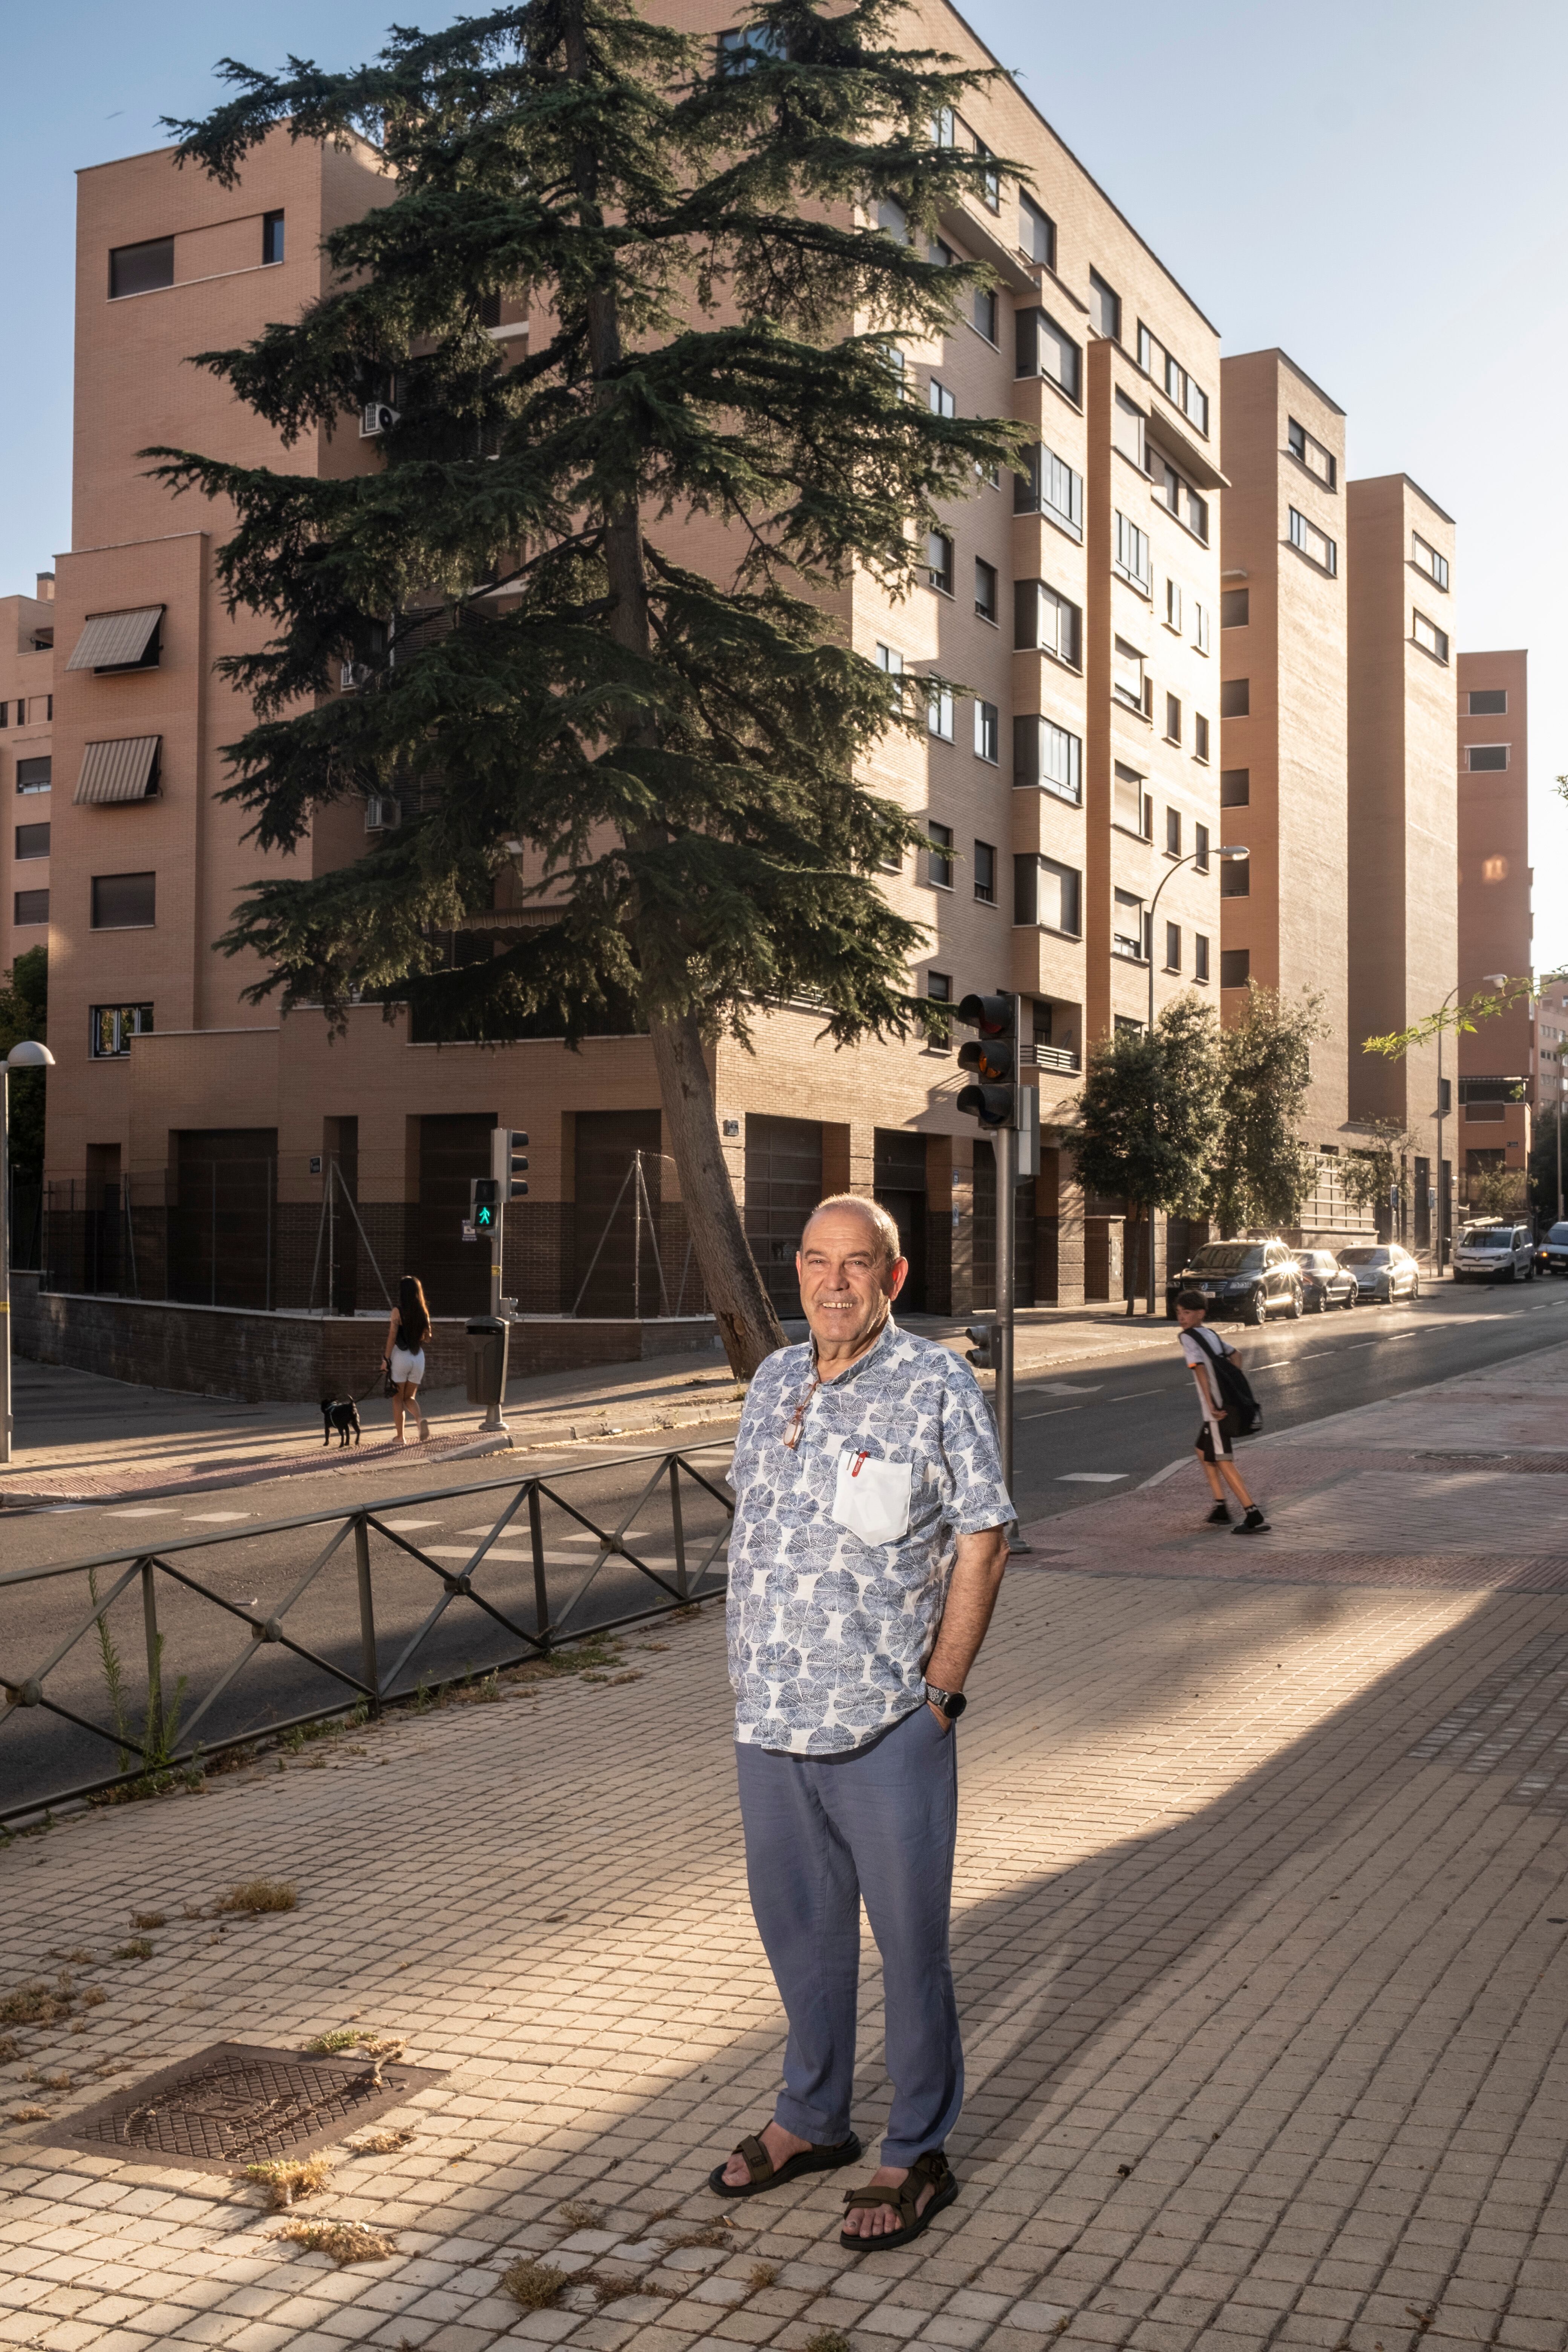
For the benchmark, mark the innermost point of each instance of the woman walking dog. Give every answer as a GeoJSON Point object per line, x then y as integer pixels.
{"type": "Point", "coordinates": [404, 1358]}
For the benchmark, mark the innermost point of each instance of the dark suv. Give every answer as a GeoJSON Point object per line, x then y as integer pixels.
{"type": "Point", "coordinates": [1248, 1280]}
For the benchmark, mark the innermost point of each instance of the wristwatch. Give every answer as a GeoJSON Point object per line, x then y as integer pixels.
{"type": "Point", "coordinates": [952, 1702]}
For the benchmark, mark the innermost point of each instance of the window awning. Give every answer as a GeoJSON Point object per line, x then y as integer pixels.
{"type": "Point", "coordinates": [115, 640]}
{"type": "Point", "coordinates": [122, 771]}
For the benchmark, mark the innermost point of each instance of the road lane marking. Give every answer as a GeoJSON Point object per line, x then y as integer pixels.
{"type": "Point", "coordinates": [1055, 1414]}
{"type": "Point", "coordinates": [1169, 1471]}
{"type": "Point", "coordinates": [1090, 1477]}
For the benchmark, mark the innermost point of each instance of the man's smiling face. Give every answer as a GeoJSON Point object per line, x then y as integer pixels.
{"type": "Point", "coordinates": [847, 1282]}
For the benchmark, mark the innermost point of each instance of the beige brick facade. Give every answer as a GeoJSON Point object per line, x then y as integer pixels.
{"type": "Point", "coordinates": [1503, 1071]}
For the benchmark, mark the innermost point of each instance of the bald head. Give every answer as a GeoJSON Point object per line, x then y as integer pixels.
{"type": "Point", "coordinates": [870, 1213]}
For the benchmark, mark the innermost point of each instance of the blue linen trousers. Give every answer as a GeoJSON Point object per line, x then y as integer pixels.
{"type": "Point", "coordinates": [821, 1832]}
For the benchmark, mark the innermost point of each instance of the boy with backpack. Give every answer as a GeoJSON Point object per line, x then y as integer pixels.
{"type": "Point", "coordinates": [1229, 1410]}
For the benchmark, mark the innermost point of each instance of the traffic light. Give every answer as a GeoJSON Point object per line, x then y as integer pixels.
{"type": "Point", "coordinates": [484, 1204]}
{"type": "Point", "coordinates": [983, 1354]}
{"type": "Point", "coordinates": [509, 1159]}
{"type": "Point", "coordinates": [992, 1057]}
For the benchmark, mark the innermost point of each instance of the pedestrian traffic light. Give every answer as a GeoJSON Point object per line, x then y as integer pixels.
{"type": "Point", "coordinates": [983, 1355]}
{"type": "Point", "coordinates": [509, 1159]}
{"type": "Point", "coordinates": [484, 1204]}
{"type": "Point", "coordinates": [994, 1058]}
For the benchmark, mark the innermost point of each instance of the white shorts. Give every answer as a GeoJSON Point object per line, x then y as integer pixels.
{"type": "Point", "coordinates": [406, 1367]}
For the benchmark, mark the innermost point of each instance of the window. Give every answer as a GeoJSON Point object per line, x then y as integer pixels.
{"type": "Point", "coordinates": [987, 734]}
{"type": "Point", "coordinates": [1488, 702]}
{"type": "Point", "coordinates": [939, 863]}
{"type": "Point", "coordinates": [1104, 307]}
{"type": "Point", "coordinates": [141, 268]}
{"type": "Point", "coordinates": [1236, 607]}
{"type": "Point", "coordinates": [939, 562]}
{"type": "Point", "coordinates": [1172, 720]}
{"type": "Point", "coordinates": [893, 220]}
{"type": "Point", "coordinates": [1127, 926]}
{"type": "Point", "coordinates": [1235, 878]}
{"type": "Point", "coordinates": [986, 312]}
{"type": "Point", "coordinates": [1195, 406]}
{"type": "Point", "coordinates": [1201, 627]}
{"type": "Point", "coordinates": [1429, 637]}
{"type": "Point", "coordinates": [113, 1027]}
{"type": "Point", "coordinates": [1045, 756]}
{"type": "Point", "coordinates": [120, 641]}
{"type": "Point", "coordinates": [1127, 425]}
{"type": "Point", "coordinates": [941, 256]}
{"type": "Point", "coordinates": [35, 775]}
{"type": "Point", "coordinates": [1201, 847]}
{"type": "Point", "coordinates": [1173, 605]}
{"type": "Point", "coordinates": [1200, 956]}
{"type": "Point", "coordinates": [739, 52]}
{"type": "Point", "coordinates": [991, 187]}
{"type": "Point", "coordinates": [944, 127]}
{"type": "Point", "coordinates": [1173, 947]}
{"type": "Point", "coordinates": [1127, 799]}
{"type": "Point", "coordinates": [1173, 833]}
{"type": "Point", "coordinates": [941, 401]}
{"type": "Point", "coordinates": [887, 659]}
{"type": "Point", "coordinates": [1045, 893]}
{"type": "Point", "coordinates": [1320, 462]}
{"type": "Point", "coordinates": [272, 240]}
{"type": "Point", "coordinates": [1127, 673]}
{"type": "Point", "coordinates": [985, 589]}
{"type": "Point", "coordinates": [1044, 622]}
{"type": "Point", "coordinates": [1049, 487]}
{"type": "Point", "coordinates": [939, 713]}
{"type": "Point", "coordinates": [124, 902]}
{"type": "Point", "coordinates": [986, 873]}
{"type": "Point", "coordinates": [1200, 737]}
{"type": "Point", "coordinates": [1427, 558]}
{"type": "Point", "coordinates": [1045, 349]}
{"type": "Point", "coordinates": [1482, 758]}
{"type": "Point", "coordinates": [1037, 233]}
{"type": "Point", "coordinates": [1131, 553]}
{"type": "Point", "coordinates": [1312, 543]}
{"type": "Point", "coordinates": [32, 841]}
{"type": "Point", "coordinates": [1234, 787]}
{"type": "Point", "coordinates": [30, 906]}
{"type": "Point", "coordinates": [1236, 698]}
{"type": "Point", "coordinates": [1234, 966]}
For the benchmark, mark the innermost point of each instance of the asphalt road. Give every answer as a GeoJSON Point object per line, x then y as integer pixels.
{"type": "Point", "coordinates": [1082, 1433]}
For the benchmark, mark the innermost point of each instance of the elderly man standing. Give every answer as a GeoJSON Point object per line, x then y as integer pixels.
{"type": "Point", "coordinates": [868, 1547]}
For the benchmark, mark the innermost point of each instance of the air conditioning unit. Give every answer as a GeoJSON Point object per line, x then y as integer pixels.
{"type": "Point", "coordinates": [353, 676]}
{"type": "Point", "coordinates": [382, 814]}
{"type": "Point", "coordinates": [375, 417]}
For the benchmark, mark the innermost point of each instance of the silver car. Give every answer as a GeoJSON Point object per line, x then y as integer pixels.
{"type": "Point", "coordinates": [1383, 1272]}
{"type": "Point", "coordinates": [1494, 1253]}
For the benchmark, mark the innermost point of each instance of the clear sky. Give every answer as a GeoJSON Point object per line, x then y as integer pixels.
{"type": "Point", "coordinates": [1379, 186]}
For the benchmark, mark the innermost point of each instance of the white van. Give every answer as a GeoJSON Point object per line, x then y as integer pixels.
{"type": "Point", "coordinates": [1494, 1253]}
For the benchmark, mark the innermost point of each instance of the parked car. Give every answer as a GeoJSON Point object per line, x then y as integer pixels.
{"type": "Point", "coordinates": [1383, 1272]}
{"type": "Point", "coordinates": [1494, 1253]}
{"type": "Point", "coordinates": [1325, 1283]}
{"type": "Point", "coordinates": [1551, 1254]}
{"type": "Point", "coordinates": [1250, 1280]}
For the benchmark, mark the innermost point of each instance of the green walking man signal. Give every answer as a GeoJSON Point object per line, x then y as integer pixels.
{"type": "Point", "coordinates": [484, 1204]}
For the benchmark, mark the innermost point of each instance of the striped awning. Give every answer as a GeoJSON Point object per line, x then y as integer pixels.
{"type": "Point", "coordinates": [115, 640]}
{"type": "Point", "coordinates": [122, 770]}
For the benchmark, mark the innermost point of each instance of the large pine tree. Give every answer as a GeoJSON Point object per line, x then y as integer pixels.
{"type": "Point", "coordinates": [718, 248]}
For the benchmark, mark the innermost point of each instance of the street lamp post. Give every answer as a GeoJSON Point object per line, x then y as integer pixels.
{"type": "Point", "coordinates": [1230, 854]}
{"type": "Point", "coordinates": [29, 1055]}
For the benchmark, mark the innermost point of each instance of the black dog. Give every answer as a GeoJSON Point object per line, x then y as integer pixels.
{"type": "Point", "coordinates": [341, 1413]}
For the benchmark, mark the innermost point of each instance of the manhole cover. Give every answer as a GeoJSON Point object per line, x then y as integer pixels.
{"type": "Point", "coordinates": [234, 2105]}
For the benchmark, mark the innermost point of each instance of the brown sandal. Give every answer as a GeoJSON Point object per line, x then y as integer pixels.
{"type": "Point", "coordinates": [763, 2173]}
{"type": "Point", "coordinates": [929, 2170]}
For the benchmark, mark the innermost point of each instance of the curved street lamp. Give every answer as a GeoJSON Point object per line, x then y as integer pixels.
{"type": "Point", "coordinates": [29, 1055]}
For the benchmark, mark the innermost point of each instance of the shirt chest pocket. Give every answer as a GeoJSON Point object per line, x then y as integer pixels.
{"type": "Point", "coordinates": [872, 1498]}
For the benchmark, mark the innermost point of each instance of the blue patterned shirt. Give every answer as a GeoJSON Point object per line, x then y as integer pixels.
{"type": "Point", "coordinates": [842, 1550]}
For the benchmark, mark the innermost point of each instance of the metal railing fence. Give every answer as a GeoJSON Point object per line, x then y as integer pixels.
{"type": "Point", "coordinates": [518, 1591]}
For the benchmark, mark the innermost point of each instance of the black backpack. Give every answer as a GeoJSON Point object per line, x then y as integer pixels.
{"type": "Point", "coordinates": [1244, 1414]}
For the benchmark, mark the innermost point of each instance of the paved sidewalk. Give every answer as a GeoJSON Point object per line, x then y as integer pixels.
{"type": "Point", "coordinates": [1260, 1938]}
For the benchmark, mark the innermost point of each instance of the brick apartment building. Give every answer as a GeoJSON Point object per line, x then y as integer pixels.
{"type": "Point", "coordinates": [1503, 1069]}
{"type": "Point", "coordinates": [193, 1139]}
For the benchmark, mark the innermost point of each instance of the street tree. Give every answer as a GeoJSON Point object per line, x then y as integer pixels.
{"type": "Point", "coordinates": [717, 247]}
{"type": "Point", "coordinates": [1148, 1118]}
{"type": "Point", "coordinates": [1262, 1171]}
{"type": "Point", "coordinates": [1370, 1171]}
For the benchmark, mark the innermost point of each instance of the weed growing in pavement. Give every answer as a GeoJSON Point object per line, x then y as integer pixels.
{"type": "Point", "coordinates": [38, 2003]}
{"type": "Point", "coordinates": [139, 1948]}
{"type": "Point", "coordinates": [346, 2242]}
{"type": "Point", "coordinates": [578, 2215]}
{"type": "Point", "coordinates": [828, 2339]}
{"type": "Point", "coordinates": [91, 1996]}
{"type": "Point", "coordinates": [368, 2039]}
{"type": "Point", "coordinates": [137, 1919]}
{"type": "Point", "coordinates": [29, 2115]}
{"type": "Point", "coordinates": [254, 1895]}
{"type": "Point", "coordinates": [10, 2050]}
{"type": "Point", "coordinates": [762, 2274]}
{"type": "Point", "coordinates": [535, 2285]}
{"type": "Point", "coordinates": [378, 2143]}
{"type": "Point", "coordinates": [287, 2180]}
{"type": "Point", "coordinates": [706, 2233]}
{"type": "Point", "coordinates": [82, 1960]}
{"type": "Point", "coordinates": [344, 2037]}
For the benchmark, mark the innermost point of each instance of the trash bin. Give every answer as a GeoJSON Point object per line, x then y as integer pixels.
{"type": "Point", "coordinates": [487, 1337]}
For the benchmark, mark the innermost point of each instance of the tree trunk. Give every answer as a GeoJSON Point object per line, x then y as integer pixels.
{"type": "Point", "coordinates": [745, 1313]}
{"type": "Point", "coordinates": [740, 1303]}
{"type": "Point", "coordinates": [1133, 1277]}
